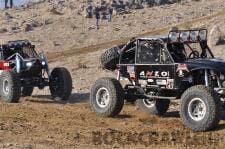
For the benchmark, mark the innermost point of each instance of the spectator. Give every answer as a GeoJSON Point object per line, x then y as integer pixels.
{"type": "Point", "coordinates": [10, 4]}
{"type": "Point", "coordinates": [97, 15]}
{"type": "Point", "coordinates": [89, 11]}
{"type": "Point", "coordinates": [114, 3]}
{"type": "Point", "coordinates": [110, 12]}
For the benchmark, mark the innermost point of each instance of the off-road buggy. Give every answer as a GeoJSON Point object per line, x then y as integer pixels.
{"type": "Point", "coordinates": [179, 65]}
{"type": "Point", "coordinates": [22, 69]}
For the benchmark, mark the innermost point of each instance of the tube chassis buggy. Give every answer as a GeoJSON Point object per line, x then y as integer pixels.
{"type": "Point", "coordinates": [159, 69]}
{"type": "Point", "coordinates": [22, 69]}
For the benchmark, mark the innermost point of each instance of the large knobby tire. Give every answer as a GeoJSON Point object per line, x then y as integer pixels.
{"type": "Point", "coordinates": [60, 83]}
{"type": "Point", "coordinates": [26, 91]}
{"type": "Point", "coordinates": [106, 97]}
{"type": "Point", "coordinates": [200, 108]}
{"type": "Point", "coordinates": [110, 58]}
{"type": "Point", "coordinates": [155, 106]}
{"type": "Point", "coordinates": [10, 86]}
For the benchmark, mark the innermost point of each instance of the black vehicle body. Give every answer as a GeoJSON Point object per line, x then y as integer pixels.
{"type": "Point", "coordinates": [152, 71]}
{"type": "Point", "coordinates": [165, 75]}
{"type": "Point", "coordinates": [22, 69]}
{"type": "Point", "coordinates": [23, 58]}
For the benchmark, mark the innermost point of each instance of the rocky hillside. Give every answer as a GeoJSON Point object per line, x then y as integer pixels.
{"type": "Point", "coordinates": [58, 25]}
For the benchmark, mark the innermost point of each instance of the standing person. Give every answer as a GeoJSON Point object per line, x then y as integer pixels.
{"type": "Point", "coordinates": [89, 11]}
{"type": "Point", "coordinates": [10, 3]}
{"type": "Point", "coordinates": [114, 3]}
{"type": "Point", "coordinates": [110, 12]}
{"type": "Point", "coordinates": [97, 15]}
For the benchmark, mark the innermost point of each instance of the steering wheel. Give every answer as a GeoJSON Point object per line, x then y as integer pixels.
{"type": "Point", "coordinates": [194, 54]}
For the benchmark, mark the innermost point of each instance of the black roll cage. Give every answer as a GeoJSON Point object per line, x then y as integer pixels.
{"type": "Point", "coordinates": [164, 42]}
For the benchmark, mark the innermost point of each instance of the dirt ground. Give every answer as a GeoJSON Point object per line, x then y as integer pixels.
{"type": "Point", "coordinates": [39, 122]}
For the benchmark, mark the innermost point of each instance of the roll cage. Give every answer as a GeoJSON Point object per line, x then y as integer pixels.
{"type": "Point", "coordinates": [171, 51]}
{"type": "Point", "coordinates": [22, 47]}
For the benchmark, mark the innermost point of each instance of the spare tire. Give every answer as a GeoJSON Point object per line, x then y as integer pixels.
{"type": "Point", "coordinates": [110, 58]}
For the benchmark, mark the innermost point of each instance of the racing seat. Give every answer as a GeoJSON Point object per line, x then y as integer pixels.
{"type": "Point", "coordinates": [177, 52]}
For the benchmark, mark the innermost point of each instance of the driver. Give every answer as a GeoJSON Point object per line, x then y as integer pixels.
{"type": "Point", "coordinates": [177, 51]}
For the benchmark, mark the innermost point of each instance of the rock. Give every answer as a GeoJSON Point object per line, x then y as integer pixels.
{"type": "Point", "coordinates": [56, 44]}
{"type": "Point", "coordinates": [56, 12]}
{"type": "Point", "coordinates": [74, 27]}
{"type": "Point", "coordinates": [14, 28]}
{"type": "Point", "coordinates": [21, 23]}
{"type": "Point", "coordinates": [8, 145]}
{"type": "Point", "coordinates": [83, 66]}
{"type": "Point", "coordinates": [7, 16]}
{"type": "Point", "coordinates": [48, 21]}
{"type": "Point", "coordinates": [28, 28]}
{"type": "Point", "coordinates": [91, 27]}
{"type": "Point", "coordinates": [3, 30]}
{"type": "Point", "coordinates": [35, 23]}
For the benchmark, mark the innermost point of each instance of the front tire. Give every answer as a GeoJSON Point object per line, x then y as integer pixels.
{"type": "Point", "coordinates": [10, 86]}
{"type": "Point", "coordinates": [60, 83]}
{"type": "Point", "coordinates": [200, 108]}
{"type": "Point", "coordinates": [154, 106]}
{"type": "Point", "coordinates": [106, 97]}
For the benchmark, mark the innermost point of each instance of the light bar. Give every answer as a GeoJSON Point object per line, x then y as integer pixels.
{"type": "Point", "coordinates": [173, 36]}
{"type": "Point", "coordinates": [188, 35]}
{"type": "Point", "coordinates": [184, 36]}
{"type": "Point", "coordinates": [194, 36]}
{"type": "Point", "coordinates": [203, 34]}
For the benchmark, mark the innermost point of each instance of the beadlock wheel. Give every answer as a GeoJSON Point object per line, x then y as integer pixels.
{"type": "Point", "coordinates": [106, 97]}
{"type": "Point", "coordinates": [197, 109]}
{"type": "Point", "coordinates": [5, 85]}
{"type": "Point", "coordinates": [102, 97]}
{"type": "Point", "coordinates": [200, 108]}
{"type": "Point", "coordinates": [149, 102]}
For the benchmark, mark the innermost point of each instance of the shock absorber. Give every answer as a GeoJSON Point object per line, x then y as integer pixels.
{"type": "Point", "coordinates": [206, 78]}
{"type": "Point", "coordinates": [17, 59]}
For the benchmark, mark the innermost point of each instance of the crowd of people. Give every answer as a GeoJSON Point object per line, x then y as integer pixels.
{"type": "Point", "coordinates": [101, 10]}
{"type": "Point", "coordinates": [104, 10]}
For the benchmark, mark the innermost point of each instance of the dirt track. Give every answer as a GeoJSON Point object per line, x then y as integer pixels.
{"type": "Point", "coordinates": [39, 122]}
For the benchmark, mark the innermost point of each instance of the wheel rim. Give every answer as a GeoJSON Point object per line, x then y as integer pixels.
{"type": "Point", "coordinates": [197, 109]}
{"type": "Point", "coordinates": [5, 86]}
{"type": "Point", "coordinates": [102, 97]}
{"type": "Point", "coordinates": [149, 102]}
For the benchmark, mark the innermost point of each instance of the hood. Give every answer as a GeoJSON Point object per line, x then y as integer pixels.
{"type": "Point", "coordinates": [217, 64]}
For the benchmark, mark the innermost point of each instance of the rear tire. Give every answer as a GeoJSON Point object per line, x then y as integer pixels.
{"type": "Point", "coordinates": [27, 91]}
{"type": "Point", "coordinates": [200, 108]}
{"type": "Point", "coordinates": [60, 83]}
{"type": "Point", "coordinates": [106, 97]}
{"type": "Point", "coordinates": [156, 106]}
{"type": "Point", "coordinates": [10, 86]}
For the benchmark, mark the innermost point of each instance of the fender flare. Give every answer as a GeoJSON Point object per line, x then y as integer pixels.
{"type": "Point", "coordinates": [203, 68]}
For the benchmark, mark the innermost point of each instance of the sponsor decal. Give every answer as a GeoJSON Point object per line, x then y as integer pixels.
{"type": "Point", "coordinates": [131, 72]}
{"type": "Point", "coordinates": [181, 69]}
{"type": "Point", "coordinates": [161, 82]}
{"type": "Point", "coordinates": [150, 74]}
{"type": "Point", "coordinates": [169, 83]}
